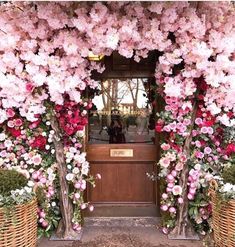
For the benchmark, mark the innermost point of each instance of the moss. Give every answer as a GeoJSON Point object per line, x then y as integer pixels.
{"type": "Point", "coordinates": [228, 174]}
{"type": "Point", "coordinates": [11, 180]}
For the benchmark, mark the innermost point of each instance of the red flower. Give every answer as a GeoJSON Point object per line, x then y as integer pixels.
{"type": "Point", "coordinates": [14, 132]}
{"type": "Point", "coordinates": [39, 142]}
{"type": "Point", "coordinates": [230, 149]}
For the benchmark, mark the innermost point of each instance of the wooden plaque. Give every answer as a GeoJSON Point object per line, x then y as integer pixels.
{"type": "Point", "coordinates": [121, 152]}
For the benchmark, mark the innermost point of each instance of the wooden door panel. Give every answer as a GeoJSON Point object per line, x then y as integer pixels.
{"type": "Point", "coordinates": [124, 182]}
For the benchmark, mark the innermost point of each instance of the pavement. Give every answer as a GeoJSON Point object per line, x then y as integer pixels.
{"type": "Point", "coordinates": [122, 232]}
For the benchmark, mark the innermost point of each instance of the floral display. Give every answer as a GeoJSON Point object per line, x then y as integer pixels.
{"type": "Point", "coordinates": [44, 74]}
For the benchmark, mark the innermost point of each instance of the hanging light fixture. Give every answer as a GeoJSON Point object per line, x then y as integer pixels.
{"type": "Point", "coordinates": [93, 57]}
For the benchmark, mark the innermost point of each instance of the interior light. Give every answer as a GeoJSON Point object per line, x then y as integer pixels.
{"type": "Point", "coordinates": [93, 57]}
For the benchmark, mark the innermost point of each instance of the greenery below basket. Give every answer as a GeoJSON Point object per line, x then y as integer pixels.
{"type": "Point", "coordinates": [14, 188]}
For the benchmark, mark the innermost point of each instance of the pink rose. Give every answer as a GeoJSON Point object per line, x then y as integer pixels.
{"type": "Point", "coordinates": [177, 190]}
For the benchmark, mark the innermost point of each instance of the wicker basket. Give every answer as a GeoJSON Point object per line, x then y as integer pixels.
{"type": "Point", "coordinates": [223, 218]}
{"type": "Point", "coordinates": [18, 227]}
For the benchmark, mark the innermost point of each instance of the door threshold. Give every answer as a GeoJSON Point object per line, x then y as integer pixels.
{"type": "Point", "coordinates": [124, 210]}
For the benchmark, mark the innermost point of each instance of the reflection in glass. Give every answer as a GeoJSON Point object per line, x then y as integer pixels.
{"type": "Point", "coordinates": [123, 112]}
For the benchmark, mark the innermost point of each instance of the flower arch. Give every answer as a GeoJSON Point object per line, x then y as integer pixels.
{"type": "Point", "coordinates": [44, 72]}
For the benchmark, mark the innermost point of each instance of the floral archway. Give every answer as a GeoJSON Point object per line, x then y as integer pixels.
{"type": "Point", "coordinates": [44, 72]}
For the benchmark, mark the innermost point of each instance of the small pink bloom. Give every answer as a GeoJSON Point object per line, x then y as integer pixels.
{"type": "Point", "coordinates": [91, 208]}
{"type": "Point", "coordinates": [177, 190]}
{"type": "Point", "coordinates": [164, 208]}
{"type": "Point", "coordinates": [174, 173]}
{"type": "Point", "coordinates": [10, 124]}
{"type": "Point", "coordinates": [42, 214]}
{"type": "Point", "coordinates": [204, 130]}
{"type": "Point", "coordinates": [170, 178]}
{"type": "Point", "coordinates": [164, 196]}
{"type": "Point", "coordinates": [18, 122]}
{"type": "Point", "coordinates": [172, 210]}
{"type": "Point", "coordinates": [76, 196]}
{"type": "Point", "coordinates": [207, 150]}
{"type": "Point", "coordinates": [77, 185]}
{"type": "Point", "coordinates": [179, 166]}
{"type": "Point", "coordinates": [165, 230]}
{"type": "Point", "coordinates": [83, 206]}
{"type": "Point", "coordinates": [198, 121]}
{"type": "Point", "coordinates": [170, 185]}
{"type": "Point", "coordinates": [190, 196]}
{"type": "Point", "coordinates": [165, 146]}
{"type": "Point", "coordinates": [44, 224]}
{"type": "Point", "coordinates": [10, 113]}
{"type": "Point", "coordinates": [180, 200]}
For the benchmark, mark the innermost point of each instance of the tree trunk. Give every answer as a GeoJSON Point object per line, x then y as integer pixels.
{"type": "Point", "coordinates": [64, 230]}
{"type": "Point", "coordinates": [183, 227]}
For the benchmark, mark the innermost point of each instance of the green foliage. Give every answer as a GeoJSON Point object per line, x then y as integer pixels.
{"type": "Point", "coordinates": [11, 180]}
{"type": "Point", "coordinates": [228, 174]}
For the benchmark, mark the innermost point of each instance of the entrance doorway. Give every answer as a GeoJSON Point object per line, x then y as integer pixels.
{"type": "Point", "coordinates": [122, 146]}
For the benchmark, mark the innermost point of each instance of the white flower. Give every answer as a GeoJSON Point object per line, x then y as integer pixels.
{"type": "Point", "coordinates": [49, 170]}
{"type": "Point", "coordinates": [197, 167]}
{"type": "Point", "coordinates": [28, 189]}
{"type": "Point", "coordinates": [75, 170]}
{"type": "Point", "coordinates": [8, 143]}
{"type": "Point", "coordinates": [80, 133]}
{"type": "Point", "coordinates": [69, 155]}
{"type": "Point", "coordinates": [70, 176]}
{"type": "Point", "coordinates": [72, 150]}
{"type": "Point", "coordinates": [30, 183]}
{"type": "Point", "coordinates": [51, 177]}
{"type": "Point", "coordinates": [2, 137]}
{"type": "Point", "coordinates": [47, 147]}
{"type": "Point", "coordinates": [44, 133]}
{"type": "Point", "coordinates": [53, 204]}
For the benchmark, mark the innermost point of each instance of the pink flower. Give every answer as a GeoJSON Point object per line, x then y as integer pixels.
{"type": "Point", "coordinates": [164, 196]}
{"type": "Point", "coordinates": [172, 210]}
{"type": "Point", "coordinates": [18, 122]}
{"type": "Point", "coordinates": [164, 207]}
{"type": "Point", "coordinates": [198, 121]}
{"type": "Point", "coordinates": [207, 150]}
{"type": "Point", "coordinates": [10, 113]}
{"type": "Point", "coordinates": [164, 162]}
{"type": "Point", "coordinates": [204, 130]}
{"type": "Point", "coordinates": [190, 196]}
{"type": "Point", "coordinates": [91, 208]}
{"type": "Point", "coordinates": [180, 200]}
{"type": "Point", "coordinates": [165, 146]}
{"type": "Point", "coordinates": [174, 173]}
{"type": "Point", "coordinates": [179, 166]}
{"type": "Point", "coordinates": [177, 190]}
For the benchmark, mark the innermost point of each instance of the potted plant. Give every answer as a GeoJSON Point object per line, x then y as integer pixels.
{"type": "Point", "coordinates": [18, 210]}
{"type": "Point", "coordinates": [222, 191]}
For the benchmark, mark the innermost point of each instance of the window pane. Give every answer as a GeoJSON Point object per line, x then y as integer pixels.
{"type": "Point", "coordinates": [123, 112]}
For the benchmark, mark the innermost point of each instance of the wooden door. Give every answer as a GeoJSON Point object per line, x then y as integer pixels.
{"type": "Point", "coordinates": [124, 188]}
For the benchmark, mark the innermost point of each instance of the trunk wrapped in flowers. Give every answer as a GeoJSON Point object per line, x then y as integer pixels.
{"type": "Point", "coordinates": [43, 62]}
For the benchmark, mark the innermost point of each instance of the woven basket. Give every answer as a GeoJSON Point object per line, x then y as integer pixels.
{"type": "Point", "coordinates": [18, 226]}
{"type": "Point", "coordinates": [223, 218]}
